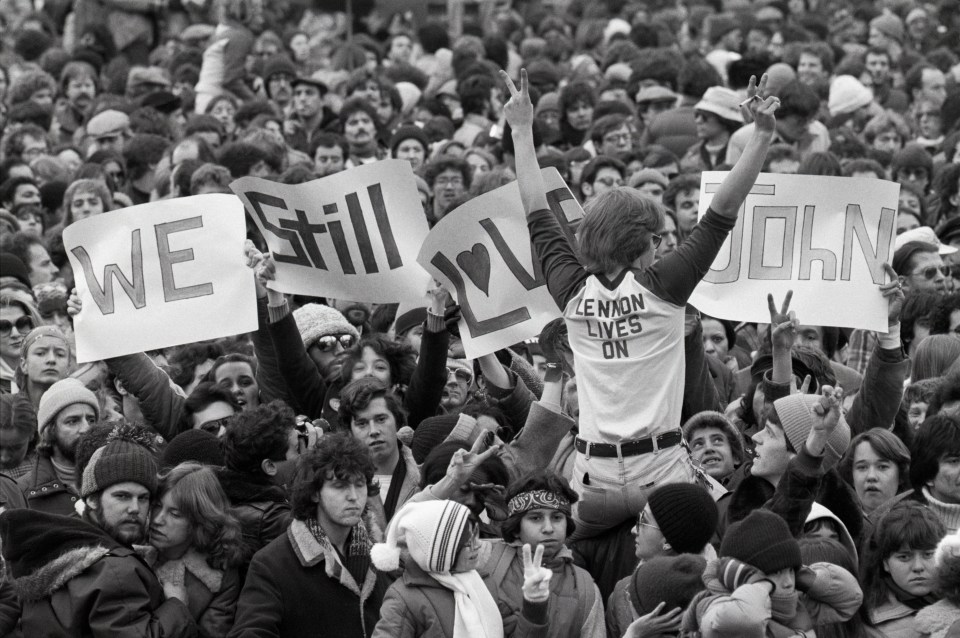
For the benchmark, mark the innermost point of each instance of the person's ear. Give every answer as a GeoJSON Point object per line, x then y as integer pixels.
{"type": "Point", "coordinates": [587, 189]}
{"type": "Point", "coordinates": [269, 467]}
{"type": "Point", "coordinates": [92, 502]}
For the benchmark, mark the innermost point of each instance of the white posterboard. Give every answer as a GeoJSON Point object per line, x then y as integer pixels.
{"type": "Point", "coordinates": [825, 238]}
{"type": "Point", "coordinates": [159, 275]}
{"type": "Point", "coordinates": [352, 235]}
{"type": "Point", "coordinates": [481, 253]}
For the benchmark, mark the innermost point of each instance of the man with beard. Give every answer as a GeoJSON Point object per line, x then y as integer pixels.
{"type": "Point", "coordinates": [82, 577]}
{"type": "Point", "coordinates": [67, 410]}
{"type": "Point", "coordinates": [78, 86]}
{"type": "Point", "coordinates": [278, 75]}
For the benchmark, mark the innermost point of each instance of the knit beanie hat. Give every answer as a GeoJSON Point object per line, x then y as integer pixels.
{"type": "Point", "coordinates": [62, 394]}
{"type": "Point", "coordinates": [797, 416]}
{"type": "Point", "coordinates": [686, 515]}
{"type": "Point", "coordinates": [548, 102]}
{"type": "Point", "coordinates": [198, 446]}
{"type": "Point", "coordinates": [12, 266]}
{"type": "Point", "coordinates": [431, 532]}
{"type": "Point", "coordinates": [408, 320]}
{"type": "Point", "coordinates": [316, 320]}
{"type": "Point", "coordinates": [645, 175]}
{"type": "Point", "coordinates": [673, 580]}
{"type": "Point", "coordinates": [409, 133]}
{"type": "Point", "coordinates": [912, 155]}
{"type": "Point", "coordinates": [278, 64]}
{"type": "Point", "coordinates": [889, 25]}
{"type": "Point", "coordinates": [119, 461]}
{"type": "Point", "coordinates": [762, 540]}
{"type": "Point", "coordinates": [711, 419]}
{"type": "Point", "coordinates": [847, 94]}
{"type": "Point", "coordinates": [779, 75]}
{"type": "Point", "coordinates": [431, 432]}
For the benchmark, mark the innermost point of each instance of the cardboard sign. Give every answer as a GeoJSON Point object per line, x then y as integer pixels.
{"type": "Point", "coordinates": [482, 253]}
{"type": "Point", "coordinates": [159, 275]}
{"type": "Point", "coordinates": [825, 238]}
{"type": "Point", "coordinates": [353, 235]}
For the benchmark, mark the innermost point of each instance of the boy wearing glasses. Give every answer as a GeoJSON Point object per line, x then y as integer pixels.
{"type": "Point", "coordinates": [625, 318]}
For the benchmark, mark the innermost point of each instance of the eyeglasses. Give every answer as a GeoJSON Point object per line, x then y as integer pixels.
{"type": "Point", "coordinates": [656, 239]}
{"type": "Point", "coordinates": [328, 343]}
{"type": "Point", "coordinates": [930, 272]}
{"type": "Point", "coordinates": [643, 520]}
{"type": "Point", "coordinates": [23, 324]}
{"type": "Point", "coordinates": [460, 374]}
{"type": "Point", "coordinates": [448, 181]}
{"type": "Point", "coordinates": [213, 427]}
{"type": "Point", "coordinates": [609, 182]}
{"type": "Point", "coordinates": [613, 138]}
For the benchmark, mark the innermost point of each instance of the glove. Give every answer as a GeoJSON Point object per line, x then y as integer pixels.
{"type": "Point", "coordinates": [733, 573]}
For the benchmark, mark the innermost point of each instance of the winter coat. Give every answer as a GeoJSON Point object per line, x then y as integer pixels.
{"type": "Point", "coordinates": [834, 597]}
{"type": "Point", "coordinates": [417, 606]}
{"type": "Point", "coordinates": [211, 593]}
{"type": "Point", "coordinates": [575, 608]}
{"type": "Point", "coordinates": [609, 556]}
{"type": "Point", "coordinates": [297, 587]}
{"type": "Point", "coordinates": [44, 490]}
{"type": "Point", "coordinates": [260, 506]}
{"type": "Point", "coordinates": [73, 579]}
{"type": "Point", "coordinates": [939, 620]}
{"type": "Point", "coordinates": [895, 619]}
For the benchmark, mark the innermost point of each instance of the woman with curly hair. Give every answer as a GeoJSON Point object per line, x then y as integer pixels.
{"type": "Point", "coordinates": [196, 544]}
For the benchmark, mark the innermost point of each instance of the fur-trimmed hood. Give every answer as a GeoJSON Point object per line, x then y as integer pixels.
{"type": "Point", "coordinates": [45, 551]}
{"type": "Point", "coordinates": [938, 618]}
{"type": "Point", "coordinates": [175, 570]}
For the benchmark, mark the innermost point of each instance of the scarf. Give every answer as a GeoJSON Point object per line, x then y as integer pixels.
{"type": "Point", "coordinates": [477, 614]}
{"type": "Point", "coordinates": [784, 606]}
{"type": "Point", "coordinates": [908, 599]}
{"type": "Point", "coordinates": [357, 559]}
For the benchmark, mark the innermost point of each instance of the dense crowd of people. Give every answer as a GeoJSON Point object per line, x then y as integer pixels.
{"type": "Point", "coordinates": [344, 470]}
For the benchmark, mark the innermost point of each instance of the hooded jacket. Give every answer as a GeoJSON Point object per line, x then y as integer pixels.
{"type": "Point", "coordinates": [74, 579]}
{"type": "Point", "coordinates": [259, 505]}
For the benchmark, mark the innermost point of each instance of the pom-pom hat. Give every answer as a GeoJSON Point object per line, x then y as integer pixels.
{"type": "Point", "coordinates": [431, 532]}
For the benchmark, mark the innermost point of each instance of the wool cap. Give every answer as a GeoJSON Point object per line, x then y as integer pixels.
{"type": "Point", "coordinates": [543, 72]}
{"type": "Point", "coordinates": [686, 515]}
{"type": "Point", "coordinates": [722, 102]}
{"type": "Point", "coordinates": [711, 419]}
{"type": "Point", "coordinates": [645, 175]}
{"type": "Point", "coordinates": [912, 155]}
{"type": "Point", "coordinates": [119, 461]}
{"type": "Point", "coordinates": [948, 563]}
{"type": "Point", "coordinates": [762, 540]}
{"type": "Point", "coordinates": [408, 320]}
{"type": "Point", "coordinates": [46, 333]}
{"type": "Point", "coordinates": [889, 25]}
{"type": "Point", "coordinates": [144, 77]}
{"type": "Point", "coordinates": [316, 320]}
{"type": "Point", "coordinates": [431, 432]}
{"type": "Point", "coordinates": [548, 102]}
{"type": "Point", "coordinates": [411, 132]}
{"type": "Point", "coordinates": [12, 266]}
{"type": "Point", "coordinates": [276, 65]}
{"type": "Point", "coordinates": [62, 394]}
{"type": "Point", "coordinates": [431, 532]}
{"type": "Point", "coordinates": [950, 231]}
{"type": "Point", "coordinates": [779, 75]}
{"type": "Point", "coordinates": [847, 94]}
{"type": "Point", "coordinates": [673, 580]}
{"type": "Point", "coordinates": [198, 446]}
{"type": "Point", "coordinates": [655, 93]}
{"type": "Point", "coordinates": [797, 418]}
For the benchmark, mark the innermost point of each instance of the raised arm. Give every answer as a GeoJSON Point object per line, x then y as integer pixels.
{"type": "Point", "coordinates": [736, 186]}
{"type": "Point", "coordinates": [519, 114]}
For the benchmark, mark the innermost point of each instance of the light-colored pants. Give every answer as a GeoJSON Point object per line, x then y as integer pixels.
{"type": "Point", "coordinates": [614, 489]}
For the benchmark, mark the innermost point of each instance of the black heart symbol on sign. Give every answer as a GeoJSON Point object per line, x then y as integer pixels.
{"type": "Point", "coordinates": [476, 263]}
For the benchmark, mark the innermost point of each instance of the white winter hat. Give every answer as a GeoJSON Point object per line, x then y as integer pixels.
{"type": "Point", "coordinates": [847, 94]}
{"type": "Point", "coordinates": [431, 531]}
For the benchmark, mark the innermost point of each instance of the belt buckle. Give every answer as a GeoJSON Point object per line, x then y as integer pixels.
{"type": "Point", "coordinates": [587, 455]}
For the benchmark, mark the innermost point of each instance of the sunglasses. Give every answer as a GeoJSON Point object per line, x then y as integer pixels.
{"type": "Point", "coordinates": [213, 427]}
{"type": "Point", "coordinates": [460, 374]}
{"type": "Point", "coordinates": [23, 324]}
{"type": "Point", "coordinates": [930, 272]}
{"type": "Point", "coordinates": [329, 343]}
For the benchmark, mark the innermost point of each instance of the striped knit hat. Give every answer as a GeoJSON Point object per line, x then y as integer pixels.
{"type": "Point", "coordinates": [119, 461]}
{"type": "Point", "coordinates": [431, 531]}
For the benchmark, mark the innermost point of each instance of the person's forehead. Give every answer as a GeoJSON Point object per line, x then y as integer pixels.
{"type": "Point", "coordinates": [925, 260]}
{"type": "Point", "coordinates": [128, 487]}
{"type": "Point", "coordinates": [329, 150]}
{"type": "Point", "coordinates": [27, 188]}
{"type": "Point", "coordinates": [711, 324]}
{"type": "Point", "coordinates": [707, 432]}
{"type": "Point", "coordinates": [607, 171]}
{"type": "Point", "coordinates": [37, 251]}
{"type": "Point", "coordinates": [450, 172]}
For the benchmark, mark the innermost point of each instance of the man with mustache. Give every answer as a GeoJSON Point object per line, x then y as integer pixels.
{"type": "Point", "coordinates": [78, 88]}
{"type": "Point", "coordinates": [82, 576]}
{"type": "Point", "coordinates": [67, 410]}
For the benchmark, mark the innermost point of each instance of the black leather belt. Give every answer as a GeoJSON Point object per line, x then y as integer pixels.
{"type": "Point", "coordinates": [630, 448]}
